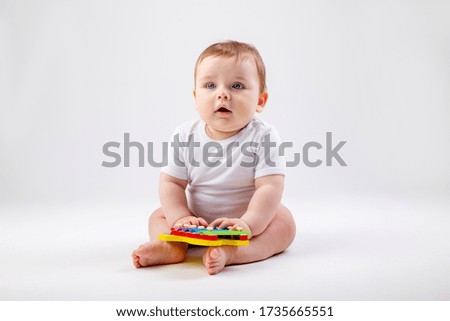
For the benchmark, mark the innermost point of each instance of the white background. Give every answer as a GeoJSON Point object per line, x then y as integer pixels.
{"type": "Point", "coordinates": [77, 74]}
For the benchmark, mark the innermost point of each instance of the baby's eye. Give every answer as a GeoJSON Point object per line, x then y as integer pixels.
{"type": "Point", "coordinates": [237, 86]}
{"type": "Point", "coordinates": [210, 85]}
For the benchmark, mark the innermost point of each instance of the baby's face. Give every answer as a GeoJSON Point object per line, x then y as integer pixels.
{"type": "Point", "coordinates": [227, 94]}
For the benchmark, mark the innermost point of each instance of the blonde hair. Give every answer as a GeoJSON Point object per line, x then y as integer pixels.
{"type": "Point", "coordinates": [236, 49]}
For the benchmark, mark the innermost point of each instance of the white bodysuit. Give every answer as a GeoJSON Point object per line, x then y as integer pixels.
{"type": "Point", "coordinates": [221, 174]}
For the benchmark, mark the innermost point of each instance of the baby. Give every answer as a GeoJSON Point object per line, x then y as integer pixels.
{"type": "Point", "coordinates": [231, 176]}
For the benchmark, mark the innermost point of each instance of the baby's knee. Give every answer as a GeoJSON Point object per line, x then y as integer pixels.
{"type": "Point", "coordinates": [286, 219]}
{"type": "Point", "coordinates": [156, 215]}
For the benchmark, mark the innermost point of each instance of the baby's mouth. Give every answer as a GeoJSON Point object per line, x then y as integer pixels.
{"type": "Point", "coordinates": [223, 110]}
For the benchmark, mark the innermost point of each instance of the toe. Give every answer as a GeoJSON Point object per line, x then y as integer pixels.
{"type": "Point", "coordinates": [212, 259]}
{"type": "Point", "coordinates": [136, 262]}
{"type": "Point", "coordinates": [213, 271]}
{"type": "Point", "coordinates": [214, 253]}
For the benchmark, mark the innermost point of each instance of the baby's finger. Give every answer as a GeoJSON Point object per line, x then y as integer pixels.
{"type": "Point", "coordinates": [217, 222]}
{"type": "Point", "coordinates": [226, 223]}
{"type": "Point", "coordinates": [236, 227]}
{"type": "Point", "coordinates": [202, 221]}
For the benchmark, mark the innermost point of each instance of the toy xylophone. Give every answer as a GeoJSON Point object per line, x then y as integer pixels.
{"type": "Point", "coordinates": [206, 236]}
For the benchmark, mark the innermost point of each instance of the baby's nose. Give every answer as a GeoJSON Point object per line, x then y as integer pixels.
{"type": "Point", "coordinates": [223, 95]}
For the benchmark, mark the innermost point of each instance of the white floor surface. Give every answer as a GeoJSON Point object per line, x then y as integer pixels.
{"type": "Point", "coordinates": [351, 247]}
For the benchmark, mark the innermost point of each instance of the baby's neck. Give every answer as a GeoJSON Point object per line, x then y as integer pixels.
{"type": "Point", "coordinates": [219, 135]}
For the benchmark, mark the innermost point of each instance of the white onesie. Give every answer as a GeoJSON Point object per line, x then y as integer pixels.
{"type": "Point", "coordinates": [221, 174]}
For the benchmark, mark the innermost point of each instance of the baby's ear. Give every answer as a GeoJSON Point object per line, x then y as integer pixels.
{"type": "Point", "coordinates": [262, 100]}
{"type": "Point", "coordinates": [193, 92]}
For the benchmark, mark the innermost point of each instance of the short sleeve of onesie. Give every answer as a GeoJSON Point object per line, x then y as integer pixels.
{"type": "Point", "coordinates": [176, 165]}
{"type": "Point", "coordinates": [270, 161]}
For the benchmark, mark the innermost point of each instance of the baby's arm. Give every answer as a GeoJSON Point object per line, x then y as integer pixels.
{"type": "Point", "coordinates": [174, 202]}
{"type": "Point", "coordinates": [262, 207]}
{"type": "Point", "coordinates": [264, 203]}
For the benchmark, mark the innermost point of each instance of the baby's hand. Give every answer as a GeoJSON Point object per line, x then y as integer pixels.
{"type": "Point", "coordinates": [191, 220]}
{"type": "Point", "coordinates": [235, 224]}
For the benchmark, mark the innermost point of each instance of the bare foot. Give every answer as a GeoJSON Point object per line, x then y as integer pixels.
{"type": "Point", "coordinates": [158, 252]}
{"type": "Point", "coordinates": [215, 259]}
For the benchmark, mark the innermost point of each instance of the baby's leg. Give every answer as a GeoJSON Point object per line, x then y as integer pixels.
{"type": "Point", "coordinates": [157, 252]}
{"type": "Point", "coordinates": [275, 239]}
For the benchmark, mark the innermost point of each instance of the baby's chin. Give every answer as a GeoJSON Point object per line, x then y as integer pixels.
{"type": "Point", "coordinates": [227, 125]}
{"type": "Point", "coordinates": [222, 132]}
